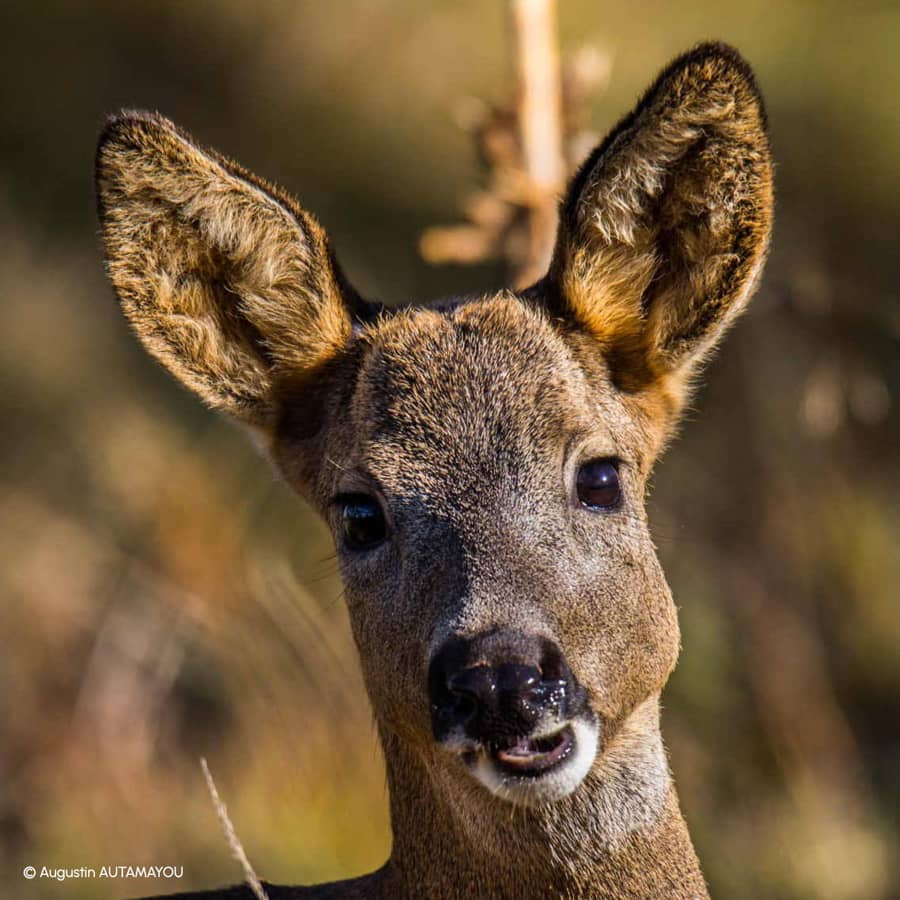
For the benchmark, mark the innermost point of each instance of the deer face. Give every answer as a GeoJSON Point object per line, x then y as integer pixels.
{"type": "Point", "coordinates": [482, 463]}
{"type": "Point", "coordinates": [485, 488]}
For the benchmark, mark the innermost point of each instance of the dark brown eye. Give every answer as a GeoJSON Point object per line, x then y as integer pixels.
{"type": "Point", "coordinates": [362, 522]}
{"type": "Point", "coordinates": [598, 484]}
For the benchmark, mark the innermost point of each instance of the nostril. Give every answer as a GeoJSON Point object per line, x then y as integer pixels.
{"type": "Point", "coordinates": [553, 666]}
{"type": "Point", "coordinates": [464, 707]}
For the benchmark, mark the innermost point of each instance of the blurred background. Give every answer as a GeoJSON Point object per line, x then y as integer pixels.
{"type": "Point", "coordinates": [165, 598]}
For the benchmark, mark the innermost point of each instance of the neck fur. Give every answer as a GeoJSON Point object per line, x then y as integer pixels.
{"type": "Point", "coordinates": [620, 834]}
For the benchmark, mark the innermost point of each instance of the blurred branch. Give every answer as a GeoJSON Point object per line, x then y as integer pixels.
{"type": "Point", "coordinates": [540, 125]}
{"type": "Point", "coordinates": [528, 148]}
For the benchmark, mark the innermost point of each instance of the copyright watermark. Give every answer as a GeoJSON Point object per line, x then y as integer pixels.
{"type": "Point", "coordinates": [112, 872]}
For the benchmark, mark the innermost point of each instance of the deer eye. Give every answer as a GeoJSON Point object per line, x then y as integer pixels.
{"type": "Point", "coordinates": [362, 522]}
{"type": "Point", "coordinates": [598, 485]}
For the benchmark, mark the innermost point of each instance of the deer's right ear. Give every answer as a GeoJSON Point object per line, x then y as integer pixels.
{"type": "Point", "coordinates": [224, 278]}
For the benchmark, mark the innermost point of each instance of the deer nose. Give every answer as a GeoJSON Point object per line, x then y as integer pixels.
{"type": "Point", "coordinates": [486, 691]}
{"type": "Point", "coordinates": [514, 682]}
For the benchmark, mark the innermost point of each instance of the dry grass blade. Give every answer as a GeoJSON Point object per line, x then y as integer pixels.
{"type": "Point", "coordinates": [237, 848]}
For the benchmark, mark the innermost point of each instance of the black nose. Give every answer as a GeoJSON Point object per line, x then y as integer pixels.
{"type": "Point", "coordinates": [489, 698]}
{"type": "Point", "coordinates": [498, 685]}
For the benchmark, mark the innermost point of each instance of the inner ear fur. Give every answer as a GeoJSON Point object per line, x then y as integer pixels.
{"type": "Point", "coordinates": [223, 277]}
{"type": "Point", "coordinates": [664, 229]}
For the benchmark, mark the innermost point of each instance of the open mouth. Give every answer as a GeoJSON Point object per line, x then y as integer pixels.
{"type": "Point", "coordinates": [535, 769]}
{"type": "Point", "coordinates": [532, 757]}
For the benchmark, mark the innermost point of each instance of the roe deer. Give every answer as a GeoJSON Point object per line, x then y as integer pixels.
{"type": "Point", "coordinates": [482, 462]}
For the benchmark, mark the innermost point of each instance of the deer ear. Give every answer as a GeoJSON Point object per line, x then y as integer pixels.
{"type": "Point", "coordinates": [224, 278]}
{"type": "Point", "coordinates": [665, 228]}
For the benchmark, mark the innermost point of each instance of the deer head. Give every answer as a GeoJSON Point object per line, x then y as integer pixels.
{"type": "Point", "coordinates": [482, 461]}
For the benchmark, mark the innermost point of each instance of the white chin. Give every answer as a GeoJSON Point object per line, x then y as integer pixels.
{"type": "Point", "coordinates": [547, 787]}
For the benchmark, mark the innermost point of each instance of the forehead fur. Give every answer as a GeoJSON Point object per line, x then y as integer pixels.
{"type": "Point", "coordinates": [486, 388]}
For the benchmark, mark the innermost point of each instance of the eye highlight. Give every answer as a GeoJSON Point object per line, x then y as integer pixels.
{"type": "Point", "coordinates": [598, 485]}
{"type": "Point", "coordinates": [363, 526]}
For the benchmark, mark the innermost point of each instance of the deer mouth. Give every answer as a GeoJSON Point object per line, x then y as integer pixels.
{"type": "Point", "coordinates": [530, 757]}
{"type": "Point", "coordinates": [536, 769]}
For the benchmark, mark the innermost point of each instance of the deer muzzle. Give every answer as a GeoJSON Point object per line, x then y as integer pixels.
{"type": "Point", "coordinates": [507, 704]}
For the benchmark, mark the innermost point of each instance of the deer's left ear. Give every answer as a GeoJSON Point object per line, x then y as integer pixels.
{"type": "Point", "coordinates": [665, 228]}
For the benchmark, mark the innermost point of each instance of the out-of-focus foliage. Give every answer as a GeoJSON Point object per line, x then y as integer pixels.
{"type": "Point", "coordinates": [165, 598]}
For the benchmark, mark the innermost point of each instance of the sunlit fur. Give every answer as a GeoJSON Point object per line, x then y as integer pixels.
{"type": "Point", "coordinates": [224, 278]}
{"type": "Point", "coordinates": [662, 244]}
{"type": "Point", "coordinates": [467, 420]}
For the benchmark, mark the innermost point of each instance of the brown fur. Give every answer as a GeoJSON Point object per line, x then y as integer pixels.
{"type": "Point", "coordinates": [217, 271]}
{"type": "Point", "coordinates": [468, 419]}
{"type": "Point", "coordinates": [663, 238]}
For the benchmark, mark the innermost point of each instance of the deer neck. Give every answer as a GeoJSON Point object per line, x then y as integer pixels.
{"type": "Point", "coordinates": [621, 834]}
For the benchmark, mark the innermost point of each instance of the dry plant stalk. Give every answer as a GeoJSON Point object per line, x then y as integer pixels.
{"type": "Point", "coordinates": [528, 149]}
{"type": "Point", "coordinates": [237, 848]}
{"type": "Point", "coordinates": [540, 127]}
